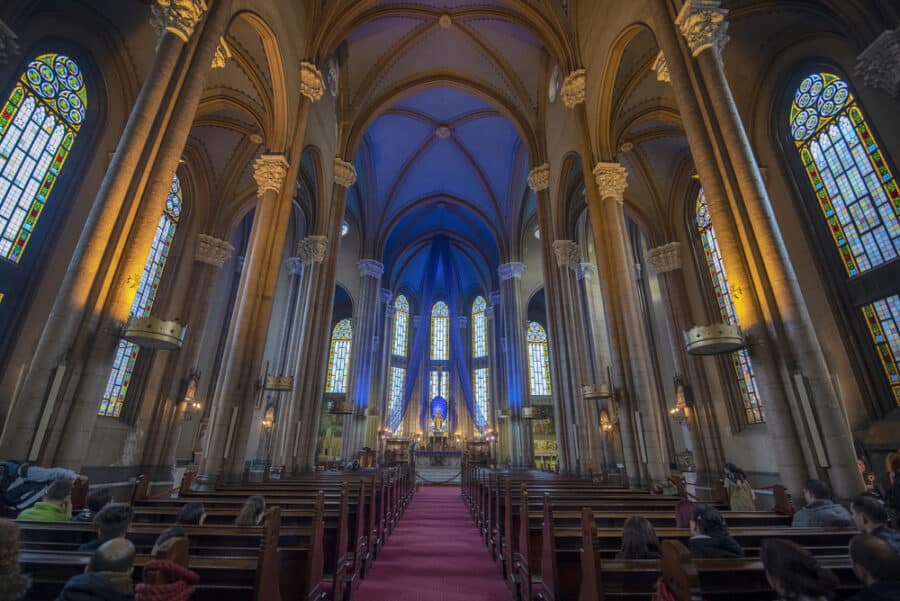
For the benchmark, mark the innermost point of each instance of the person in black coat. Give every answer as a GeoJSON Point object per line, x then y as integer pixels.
{"type": "Point", "coordinates": [108, 575]}
{"type": "Point", "coordinates": [709, 536]}
{"type": "Point", "coordinates": [877, 566]}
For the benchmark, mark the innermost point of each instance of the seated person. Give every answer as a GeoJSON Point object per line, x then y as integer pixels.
{"type": "Point", "coordinates": [794, 573]}
{"type": "Point", "coordinates": [96, 500]}
{"type": "Point", "coordinates": [191, 514]}
{"type": "Point", "coordinates": [820, 510]}
{"type": "Point", "coordinates": [638, 540]}
{"type": "Point", "coordinates": [107, 576]}
{"type": "Point", "coordinates": [252, 512]}
{"type": "Point", "coordinates": [877, 566]}
{"type": "Point", "coordinates": [111, 522]}
{"type": "Point", "coordinates": [170, 580]}
{"type": "Point", "coordinates": [13, 584]}
{"type": "Point", "coordinates": [870, 516]}
{"type": "Point", "coordinates": [709, 536]}
{"type": "Point", "coordinates": [56, 505]}
{"type": "Point", "coordinates": [21, 485]}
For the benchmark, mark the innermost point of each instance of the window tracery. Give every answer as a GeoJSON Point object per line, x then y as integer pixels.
{"type": "Point", "coordinates": [339, 357]}
{"type": "Point", "coordinates": [538, 360]}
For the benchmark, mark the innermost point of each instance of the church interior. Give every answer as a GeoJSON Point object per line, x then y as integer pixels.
{"type": "Point", "coordinates": [537, 272]}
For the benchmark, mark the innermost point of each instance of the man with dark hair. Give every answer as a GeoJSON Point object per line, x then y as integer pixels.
{"type": "Point", "coordinates": [107, 576]}
{"type": "Point", "coordinates": [111, 522]}
{"type": "Point", "coordinates": [56, 505]}
{"type": "Point", "coordinates": [820, 510]}
{"type": "Point", "coordinates": [877, 566]}
{"type": "Point", "coordinates": [191, 514]}
{"type": "Point", "coordinates": [96, 500]}
{"type": "Point", "coordinates": [870, 516]}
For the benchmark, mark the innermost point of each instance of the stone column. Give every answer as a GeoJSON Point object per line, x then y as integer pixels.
{"type": "Point", "coordinates": [381, 372]}
{"type": "Point", "coordinates": [238, 385]}
{"type": "Point", "coordinates": [703, 25]}
{"type": "Point", "coordinates": [611, 180]}
{"type": "Point", "coordinates": [513, 321]}
{"type": "Point", "coordinates": [498, 386]}
{"type": "Point", "coordinates": [309, 378]}
{"type": "Point", "coordinates": [77, 294]}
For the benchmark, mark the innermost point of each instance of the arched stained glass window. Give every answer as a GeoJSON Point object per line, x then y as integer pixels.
{"type": "Point", "coordinates": [127, 352]}
{"type": "Point", "coordinates": [538, 360]}
{"type": "Point", "coordinates": [339, 356]}
{"type": "Point", "coordinates": [38, 125]}
{"type": "Point", "coordinates": [440, 332]}
{"type": "Point", "coordinates": [398, 361]}
{"type": "Point", "coordinates": [740, 360]}
{"type": "Point", "coordinates": [480, 374]}
{"type": "Point", "coordinates": [857, 196]}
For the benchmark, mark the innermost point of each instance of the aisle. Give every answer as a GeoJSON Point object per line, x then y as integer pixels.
{"type": "Point", "coordinates": [434, 554]}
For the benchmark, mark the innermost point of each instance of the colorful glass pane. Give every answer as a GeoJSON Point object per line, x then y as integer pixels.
{"type": "Point", "coordinates": [740, 360]}
{"type": "Point", "coordinates": [401, 327]}
{"type": "Point", "coordinates": [440, 331]}
{"type": "Point", "coordinates": [395, 396]}
{"type": "Point", "coordinates": [479, 328]}
{"type": "Point", "coordinates": [883, 320]}
{"type": "Point", "coordinates": [538, 360]}
{"type": "Point", "coordinates": [439, 384]}
{"type": "Point", "coordinates": [480, 384]}
{"type": "Point", "coordinates": [127, 352]}
{"type": "Point", "coordinates": [339, 357]}
{"type": "Point", "coordinates": [38, 125]}
{"type": "Point", "coordinates": [854, 187]}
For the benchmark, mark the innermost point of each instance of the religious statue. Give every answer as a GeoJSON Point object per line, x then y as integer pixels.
{"type": "Point", "coordinates": [437, 422]}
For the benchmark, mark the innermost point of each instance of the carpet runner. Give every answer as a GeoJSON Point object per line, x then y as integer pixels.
{"type": "Point", "coordinates": [435, 554]}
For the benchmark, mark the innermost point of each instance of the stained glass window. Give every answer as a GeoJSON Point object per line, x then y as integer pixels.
{"type": "Point", "coordinates": [38, 125]}
{"type": "Point", "coordinates": [740, 360]}
{"type": "Point", "coordinates": [339, 356]}
{"type": "Point", "coordinates": [401, 326]}
{"type": "Point", "coordinates": [856, 193]}
{"type": "Point", "coordinates": [482, 395]}
{"type": "Point", "coordinates": [538, 360]}
{"type": "Point", "coordinates": [395, 396]}
{"type": "Point", "coordinates": [440, 330]}
{"type": "Point", "coordinates": [439, 384]}
{"type": "Point", "coordinates": [854, 187]}
{"type": "Point", "coordinates": [127, 352]}
{"type": "Point", "coordinates": [479, 328]}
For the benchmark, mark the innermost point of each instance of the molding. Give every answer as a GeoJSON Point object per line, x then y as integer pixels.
{"type": "Point", "coordinates": [879, 64]}
{"type": "Point", "coordinates": [344, 173]}
{"type": "Point", "coordinates": [665, 258]}
{"type": "Point", "coordinates": [223, 53]}
{"type": "Point", "coordinates": [703, 25]}
{"type": "Point", "coordinates": [539, 177]}
{"type": "Point", "coordinates": [370, 268]}
{"type": "Point", "coordinates": [508, 271]}
{"type": "Point", "coordinates": [311, 83]}
{"type": "Point", "coordinates": [612, 179]}
{"type": "Point", "coordinates": [212, 251]}
{"type": "Point", "coordinates": [269, 171]}
{"type": "Point", "coordinates": [573, 86]}
{"type": "Point", "coordinates": [179, 17]}
{"type": "Point", "coordinates": [661, 66]}
{"type": "Point", "coordinates": [312, 249]}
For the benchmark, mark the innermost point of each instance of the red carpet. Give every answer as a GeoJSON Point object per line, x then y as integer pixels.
{"type": "Point", "coordinates": [434, 554]}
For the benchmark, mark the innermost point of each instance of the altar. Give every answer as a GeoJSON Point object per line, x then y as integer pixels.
{"type": "Point", "coordinates": [438, 458]}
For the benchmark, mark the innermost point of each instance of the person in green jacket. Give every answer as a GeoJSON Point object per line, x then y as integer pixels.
{"type": "Point", "coordinates": [56, 505]}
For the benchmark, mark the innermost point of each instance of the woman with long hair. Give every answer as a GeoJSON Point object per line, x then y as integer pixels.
{"type": "Point", "coordinates": [709, 535]}
{"type": "Point", "coordinates": [638, 540]}
{"type": "Point", "coordinates": [252, 512]}
{"type": "Point", "coordinates": [794, 573]}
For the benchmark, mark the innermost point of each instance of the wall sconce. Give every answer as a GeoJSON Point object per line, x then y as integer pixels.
{"type": "Point", "coordinates": [196, 406]}
{"type": "Point", "coordinates": [268, 419]}
{"type": "Point", "coordinates": [605, 423]}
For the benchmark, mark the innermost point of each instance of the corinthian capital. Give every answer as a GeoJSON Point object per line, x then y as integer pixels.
{"type": "Point", "coordinates": [567, 254]}
{"type": "Point", "coordinates": [539, 178]}
{"type": "Point", "coordinates": [661, 66]}
{"type": "Point", "coordinates": [212, 251]}
{"type": "Point", "coordinates": [311, 83]}
{"type": "Point", "coordinates": [573, 86]}
{"type": "Point", "coordinates": [612, 179]}
{"type": "Point", "coordinates": [177, 16]}
{"type": "Point", "coordinates": [312, 249]}
{"type": "Point", "coordinates": [370, 268]}
{"type": "Point", "coordinates": [703, 25]}
{"type": "Point", "coordinates": [665, 258]}
{"type": "Point", "coordinates": [269, 171]}
{"type": "Point", "coordinates": [344, 173]}
{"type": "Point", "coordinates": [879, 64]}
{"type": "Point", "coordinates": [508, 271]}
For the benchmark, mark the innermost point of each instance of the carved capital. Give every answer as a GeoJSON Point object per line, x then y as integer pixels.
{"type": "Point", "coordinates": [665, 258]}
{"type": "Point", "coordinates": [386, 295]}
{"type": "Point", "coordinates": [344, 173]}
{"type": "Point", "coordinates": [703, 25]}
{"type": "Point", "coordinates": [177, 16]}
{"type": "Point", "coordinates": [223, 53]}
{"type": "Point", "coordinates": [539, 178]}
{"type": "Point", "coordinates": [612, 179]}
{"type": "Point", "coordinates": [212, 251]}
{"type": "Point", "coordinates": [294, 265]}
{"type": "Point", "coordinates": [9, 44]}
{"type": "Point", "coordinates": [585, 271]}
{"type": "Point", "coordinates": [568, 254]}
{"type": "Point", "coordinates": [312, 249]}
{"type": "Point", "coordinates": [370, 268]}
{"type": "Point", "coordinates": [508, 271]}
{"type": "Point", "coordinates": [494, 298]}
{"type": "Point", "coordinates": [311, 83]}
{"type": "Point", "coordinates": [269, 171]}
{"type": "Point", "coordinates": [879, 64]}
{"type": "Point", "coordinates": [661, 66]}
{"type": "Point", "coordinates": [573, 86]}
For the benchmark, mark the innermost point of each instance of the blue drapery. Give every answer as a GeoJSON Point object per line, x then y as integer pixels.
{"type": "Point", "coordinates": [439, 259]}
